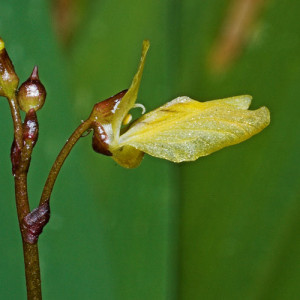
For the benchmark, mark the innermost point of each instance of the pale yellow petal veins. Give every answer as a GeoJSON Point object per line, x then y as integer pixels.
{"type": "Point", "coordinates": [129, 99]}
{"type": "Point", "coordinates": [185, 129]}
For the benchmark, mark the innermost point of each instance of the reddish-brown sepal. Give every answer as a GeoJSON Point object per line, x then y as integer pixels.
{"type": "Point", "coordinates": [100, 140]}
{"type": "Point", "coordinates": [104, 111]}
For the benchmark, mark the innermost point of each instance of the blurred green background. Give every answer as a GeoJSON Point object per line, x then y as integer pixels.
{"type": "Point", "coordinates": [223, 227]}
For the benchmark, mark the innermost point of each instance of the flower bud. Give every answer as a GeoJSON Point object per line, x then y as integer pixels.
{"type": "Point", "coordinates": [9, 80]}
{"type": "Point", "coordinates": [32, 93]}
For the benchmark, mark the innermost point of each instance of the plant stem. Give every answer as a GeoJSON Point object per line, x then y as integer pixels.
{"type": "Point", "coordinates": [18, 131]}
{"type": "Point", "coordinates": [83, 127]}
{"type": "Point", "coordinates": [32, 271]}
{"type": "Point", "coordinates": [30, 252]}
{"type": "Point", "coordinates": [21, 156]}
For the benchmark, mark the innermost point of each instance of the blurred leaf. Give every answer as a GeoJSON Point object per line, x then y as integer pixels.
{"type": "Point", "coordinates": [240, 205]}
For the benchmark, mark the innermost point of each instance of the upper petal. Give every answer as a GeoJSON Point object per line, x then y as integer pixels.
{"type": "Point", "coordinates": [129, 99]}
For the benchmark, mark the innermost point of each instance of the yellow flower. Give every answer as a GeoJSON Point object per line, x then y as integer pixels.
{"type": "Point", "coordinates": [181, 130]}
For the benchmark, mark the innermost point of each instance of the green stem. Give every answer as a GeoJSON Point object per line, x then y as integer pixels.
{"type": "Point", "coordinates": [83, 127]}
{"type": "Point", "coordinates": [32, 271]}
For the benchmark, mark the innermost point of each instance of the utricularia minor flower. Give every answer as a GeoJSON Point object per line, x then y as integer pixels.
{"type": "Point", "coordinates": [181, 130]}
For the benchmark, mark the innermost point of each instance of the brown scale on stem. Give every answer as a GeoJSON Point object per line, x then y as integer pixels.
{"type": "Point", "coordinates": [31, 127]}
{"type": "Point", "coordinates": [34, 222]}
{"type": "Point", "coordinates": [15, 157]}
{"type": "Point", "coordinates": [30, 136]}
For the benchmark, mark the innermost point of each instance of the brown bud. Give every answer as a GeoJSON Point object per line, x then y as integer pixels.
{"type": "Point", "coordinates": [100, 140]}
{"type": "Point", "coordinates": [32, 93]}
{"type": "Point", "coordinates": [9, 80]}
{"type": "Point", "coordinates": [31, 126]}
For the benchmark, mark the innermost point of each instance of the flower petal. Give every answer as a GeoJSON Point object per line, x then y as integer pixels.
{"type": "Point", "coordinates": [129, 99]}
{"type": "Point", "coordinates": [185, 129]}
{"type": "Point", "coordinates": [127, 156]}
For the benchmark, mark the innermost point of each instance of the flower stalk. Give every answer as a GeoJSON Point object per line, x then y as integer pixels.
{"type": "Point", "coordinates": [76, 135]}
